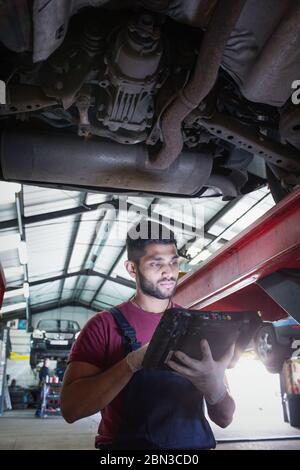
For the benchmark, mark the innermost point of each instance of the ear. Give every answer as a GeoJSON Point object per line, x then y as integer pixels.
{"type": "Point", "coordinates": [130, 268]}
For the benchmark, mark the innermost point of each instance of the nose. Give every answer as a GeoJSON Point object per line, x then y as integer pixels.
{"type": "Point", "coordinates": [167, 271]}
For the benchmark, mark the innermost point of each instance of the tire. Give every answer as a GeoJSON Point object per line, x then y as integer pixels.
{"type": "Point", "coordinates": [271, 353]}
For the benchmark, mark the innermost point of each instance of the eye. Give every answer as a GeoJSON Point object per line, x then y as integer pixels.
{"type": "Point", "coordinates": [155, 265]}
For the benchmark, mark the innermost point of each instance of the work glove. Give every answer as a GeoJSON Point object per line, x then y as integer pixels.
{"type": "Point", "coordinates": [135, 358]}
{"type": "Point", "coordinates": [207, 375]}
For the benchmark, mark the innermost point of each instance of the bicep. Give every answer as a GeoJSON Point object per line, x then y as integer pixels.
{"type": "Point", "coordinates": [79, 370]}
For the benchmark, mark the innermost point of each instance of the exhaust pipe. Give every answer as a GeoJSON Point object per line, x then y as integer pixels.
{"type": "Point", "coordinates": [205, 75]}
{"type": "Point", "coordinates": [50, 157]}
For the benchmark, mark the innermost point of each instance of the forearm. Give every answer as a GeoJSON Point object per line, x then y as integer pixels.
{"type": "Point", "coordinates": [88, 395]}
{"type": "Point", "coordinates": [221, 413]}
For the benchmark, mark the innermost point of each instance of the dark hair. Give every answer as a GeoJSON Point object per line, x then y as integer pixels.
{"type": "Point", "coordinates": [144, 234]}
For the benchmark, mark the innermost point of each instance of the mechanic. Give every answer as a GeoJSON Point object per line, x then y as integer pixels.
{"type": "Point", "coordinates": [60, 369]}
{"type": "Point", "coordinates": [144, 409]}
{"type": "Point", "coordinates": [44, 389]}
{"type": "Point", "coordinates": [44, 372]}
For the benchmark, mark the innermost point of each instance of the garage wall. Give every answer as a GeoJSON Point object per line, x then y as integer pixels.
{"type": "Point", "coordinates": [18, 367]}
{"type": "Point", "coordinates": [20, 341]}
{"type": "Point", "coordinates": [79, 314]}
{"type": "Point", "coordinates": [20, 370]}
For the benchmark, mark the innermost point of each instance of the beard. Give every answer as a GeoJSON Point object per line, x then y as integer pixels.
{"type": "Point", "coordinates": [149, 288]}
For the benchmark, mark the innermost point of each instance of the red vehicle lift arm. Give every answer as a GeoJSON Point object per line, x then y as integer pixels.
{"type": "Point", "coordinates": [259, 269]}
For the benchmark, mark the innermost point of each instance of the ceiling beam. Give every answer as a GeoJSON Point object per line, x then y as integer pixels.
{"type": "Point", "coordinates": [210, 223]}
{"type": "Point", "coordinates": [76, 226]}
{"type": "Point", "coordinates": [82, 272]}
{"type": "Point", "coordinates": [41, 308]}
{"type": "Point", "coordinates": [33, 219]}
{"type": "Point", "coordinates": [109, 273]}
{"type": "Point", "coordinates": [221, 213]}
{"type": "Point", "coordinates": [91, 255]}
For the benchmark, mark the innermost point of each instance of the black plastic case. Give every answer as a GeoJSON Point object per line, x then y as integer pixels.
{"type": "Point", "coordinates": [182, 330]}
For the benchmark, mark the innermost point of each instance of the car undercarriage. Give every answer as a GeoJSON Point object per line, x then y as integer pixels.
{"type": "Point", "coordinates": [167, 97]}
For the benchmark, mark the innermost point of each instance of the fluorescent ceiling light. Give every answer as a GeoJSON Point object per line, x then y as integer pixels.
{"type": "Point", "coordinates": [9, 242]}
{"type": "Point", "coordinates": [13, 293]}
{"type": "Point", "coordinates": [8, 192]}
{"type": "Point", "coordinates": [13, 307]}
{"type": "Point", "coordinates": [14, 271]}
{"type": "Point", "coordinates": [22, 249]}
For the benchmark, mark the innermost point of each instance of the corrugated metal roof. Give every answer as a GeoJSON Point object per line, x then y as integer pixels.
{"type": "Point", "coordinates": [47, 243]}
{"type": "Point", "coordinates": [75, 233]}
{"type": "Point", "coordinates": [39, 200]}
{"type": "Point", "coordinates": [8, 211]}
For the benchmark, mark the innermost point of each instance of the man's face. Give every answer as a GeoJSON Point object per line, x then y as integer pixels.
{"type": "Point", "coordinates": [157, 271]}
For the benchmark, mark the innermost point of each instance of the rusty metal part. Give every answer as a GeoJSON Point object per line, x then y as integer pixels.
{"type": "Point", "coordinates": [60, 158]}
{"type": "Point", "coordinates": [25, 99]}
{"type": "Point", "coordinates": [206, 72]}
{"type": "Point", "coordinates": [290, 126]}
{"type": "Point", "coordinates": [230, 130]}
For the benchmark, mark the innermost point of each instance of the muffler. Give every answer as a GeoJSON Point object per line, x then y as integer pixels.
{"type": "Point", "coordinates": [50, 157]}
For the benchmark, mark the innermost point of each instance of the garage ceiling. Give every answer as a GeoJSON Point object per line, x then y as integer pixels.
{"type": "Point", "coordinates": [74, 254]}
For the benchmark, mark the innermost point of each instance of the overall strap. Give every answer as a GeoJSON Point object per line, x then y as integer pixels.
{"type": "Point", "coordinates": [128, 333]}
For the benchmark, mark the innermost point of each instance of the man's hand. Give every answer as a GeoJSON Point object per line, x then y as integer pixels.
{"type": "Point", "coordinates": [135, 358]}
{"type": "Point", "coordinates": [207, 375]}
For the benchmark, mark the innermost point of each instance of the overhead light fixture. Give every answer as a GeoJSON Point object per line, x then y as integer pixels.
{"type": "Point", "coordinates": [8, 192]}
{"type": "Point", "coordinates": [26, 290]}
{"type": "Point", "coordinates": [13, 307]}
{"type": "Point", "coordinates": [22, 249]}
{"type": "Point", "coordinates": [13, 293]}
{"type": "Point", "coordinates": [14, 271]}
{"type": "Point", "coordinates": [9, 242]}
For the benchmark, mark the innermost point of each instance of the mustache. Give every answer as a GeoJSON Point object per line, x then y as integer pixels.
{"type": "Point", "coordinates": [167, 280]}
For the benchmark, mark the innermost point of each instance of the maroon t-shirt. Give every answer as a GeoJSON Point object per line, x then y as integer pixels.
{"type": "Point", "coordinates": [100, 343]}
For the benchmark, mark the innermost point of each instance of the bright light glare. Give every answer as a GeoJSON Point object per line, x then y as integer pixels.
{"type": "Point", "coordinates": [8, 192]}
{"type": "Point", "coordinates": [258, 402]}
{"type": "Point", "coordinates": [9, 242]}
{"type": "Point", "coordinates": [13, 271]}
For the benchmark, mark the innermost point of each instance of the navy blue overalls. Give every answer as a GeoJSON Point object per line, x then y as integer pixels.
{"type": "Point", "coordinates": [161, 409]}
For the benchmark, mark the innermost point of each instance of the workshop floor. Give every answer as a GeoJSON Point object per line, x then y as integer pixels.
{"type": "Point", "coordinates": [257, 424]}
{"type": "Point", "coordinates": [21, 430]}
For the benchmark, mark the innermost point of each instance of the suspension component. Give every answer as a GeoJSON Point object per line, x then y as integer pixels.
{"type": "Point", "coordinates": [131, 79]}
